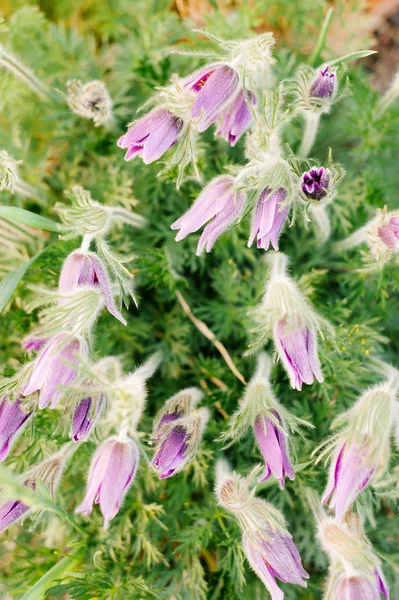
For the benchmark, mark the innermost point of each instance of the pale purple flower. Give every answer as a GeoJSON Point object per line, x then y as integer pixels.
{"type": "Point", "coordinates": [323, 86]}
{"type": "Point", "coordinates": [298, 352]}
{"type": "Point", "coordinates": [215, 86]}
{"type": "Point", "coordinates": [112, 470]}
{"type": "Point", "coordinates": [315, 183]}
{"type": "Point", "coordinates": [272, 443]}
{"type": "Point", "coordinates": [350, 472]}
{"type": "Point", "coordinates": [217, 203]}
{"type": "Point", "coordinates": [152, 135]}
{"type": "Point", "coordinates": [55, 366]}
{"type": "Point", "coordinates": [274, 555]}
{"type": "Point", "coordinates": [84, 417]}
{"type": "Point", "coordinates": [268, 218]}
{"type": "Point", "coordinates": [10, 512]}
{"type": "Point", "coordinates": [389, 233]}
{"type": "Point", "coordinates": [12, 419]}
{"type": "Point", "coordinates": [32, 344]}
{"type": "Point", "coordinates": [360, 587]}
{"type": "Point", "coordinates": [236, 118]}
{"type": "Point", "coordinates": [171, 453]}
{"type": "Point", "coordinates": [87, 269]}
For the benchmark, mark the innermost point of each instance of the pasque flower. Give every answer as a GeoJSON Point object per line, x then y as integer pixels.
{"type": "Point", "coordinates": [177, 441]}
{"type": "Point", "coordinates": [268, 218]}
{"type": "Point", "coordinates": [236, 118]}
{"type": "Point", "coordinates": [324, 85]}
{"type": "Point", "coordinates": [360, 587]}
{"type": "Point", "coordinates": [218, 203]}
{"type": "Point", "coordinates": [214, 86]}
{"type": "Point", "coordinates": [272, 442]}
{"type": "Point", "coordinates": [288, 317]}
{"type": "Point", "coordinates": [315, 183]}
{"type": "Point", "coordinates": [152, 135]}
{"type": "Point", "coordinates": [268, 546]}
{"type": "Point", "coordinates": [84, 417]}
{"type": "Point", "coordinates": [55, 366]}
{"type": "Point", "coordinates": [12, 419]}
{"type": "Point", "coordinates": [85, 269]}
{"type": "Point", "coordinates": [179, 405]}
{"type": "Point", "coordinates": [112, 470]}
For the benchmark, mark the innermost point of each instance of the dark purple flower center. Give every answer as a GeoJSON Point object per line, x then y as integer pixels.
{"type": "Point", "coordinates": [315, 183]}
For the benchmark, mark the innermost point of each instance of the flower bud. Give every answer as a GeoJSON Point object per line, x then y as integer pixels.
{"type": "Point", "coordinates": [323, 86]}
{"type": "Point", "coordinates": [55, 366]}
{"type": "Point", "coordinates": [179, 405]}
{"type": "Point", "coordinates": [12, 420]}
{"type": "Point", "coordinates": [272, 442]}
{"type": "Point", "coordinates": [177, 442]}
{"type": "Point", "coordinates": [389, 233]}
{"type": "Point", "coordinates": [268, 218]}
{"type": "Point", "coordinates": [90, 100]}
{"type": "Point", "coordinates": [152, 135]}
{"type": "Point", "coordinates": [356, 587]}
{"type": "Point", "coordinates": [315, 183]}
{"type": "Point", "coordinates": [236, 118]}
{"type": "Point", "coordinates": [112, 470]}
{"type": "Point", "coordinates": [219, 204]}
{"type": "Point", "coordinates": [84, 417]}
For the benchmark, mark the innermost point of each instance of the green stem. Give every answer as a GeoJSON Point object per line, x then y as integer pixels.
{"type": "Point", "coordinates": [38, 591]}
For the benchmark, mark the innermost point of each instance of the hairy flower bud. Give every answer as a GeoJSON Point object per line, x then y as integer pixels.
{"type": "Point", "coordinates": [217, 203]}
{"type": "Point", "coordinates": [236, 118]}
{"type": "Point", "coordinates": [152, 135]}
{"type": "Point", "coordinates": [179, 405]}
{"type": "Point", "coordinates": [358, 587]}
{"type": "Point", "coordinates": [323, 86]}
{"type": "Point", "coordinates": [268, 218]}
{"type": "Point", "coordinates": [90, 100]}
{"type": "Point", "coordinates": [112, 470]}
{"type": "Point", "coordinates": [85, 416]}
{"type": "Point", "coordinates": [12, 420]}
{"type": "Point", "coordinates": [315, 183]}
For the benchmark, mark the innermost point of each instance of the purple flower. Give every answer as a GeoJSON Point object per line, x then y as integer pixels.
{"type": "Point", "coordinates": [215, 86]}
{"type": "Point", "coordinates": [323, 86]}
{"type": "Point", "coordinates": [112, 470]}
{"type": "Point", "coordinates": [268, 218]}
{"type": "Point", "coordinates": [10, 512]}
{"type": "Point", "coordinates": [236, 118]}
{"type": "Point", "coordinates": [81, 423]}
{"type": "Point", "coordinates": [171, 453]}
{"type": "Point", "coordinates": [389, 233]}
{"type": "Point", "coordinates": [274, 555]}
{"type": "Point", "coordinates": [86, 269]}
{"type": "Point", "coordinates": [298, 352]}
{"type": "Point", "coordinates": [315, 183]}
{"type": "Point", "coordinates": [217, 203]}
{"type": "Point", "coordinates": [273, 446]}
{"type": "Point", "coordinates": [32, 344]}
{"type": "Point", "coordinates": [54, 367]}
{"type": "Point", "coordinates": [360, 587]}
{"type": "Point", "coordinates": [12, 419]}
{"type": "Point", "coordinates": [350, 472]}
{"type": "Point", "coordinates": [152, 135]}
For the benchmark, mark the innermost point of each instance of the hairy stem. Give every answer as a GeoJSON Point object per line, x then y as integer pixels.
{"type": "Point", "coordinates": [311, 126]}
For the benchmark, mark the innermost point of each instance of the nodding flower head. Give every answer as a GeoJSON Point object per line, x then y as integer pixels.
{"type": "Point", "coordinates": [214, 87]}
{"type": "Point", "coordinates": [360, 587]}
{"type": "Point", "coordinates": [323, 86]}
{"type": "Point", "coordinates": [179, 405]}
{"type": "Point", "coordinates": [272, 442]}
{"type": "Point", "coordinates": [236, 118]}
{"type": "Point", "coordinates": [152, 135]}
{"type": "Point", "coordinates": [90, 100]}
{"type": "Point", "coordinates": [112, 470]}
{"type": "Point", "coordinates": [83, 269]}
{"type": "Point", "coordinates": [12, 420]}
{"type": "Point", "coordinates": [177, 441]}
{"type": "Point", "coordinates": [218, 203]}
{"type": "Point", "coordinates": [55, 366]}
{"type": "Point", "coordinates": [315, 183]}
{"type": "Point", "coordinates": [268, 218]}
{"type": "Point", "coordinates": [85, 416]}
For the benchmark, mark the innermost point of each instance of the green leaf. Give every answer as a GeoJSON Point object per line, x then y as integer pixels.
{"type": "Point", "coordinates": [10, 282]}
{"type": "Point", "coordinates": [38, 591]}
{"type": "Point", "coordinates": [321, 42]}
{"type": "Point", "coordinates": [20, 215]}
{"type": "Point", "coordinates": [351, 56]}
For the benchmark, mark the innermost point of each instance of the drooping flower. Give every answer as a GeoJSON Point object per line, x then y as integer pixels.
{"type": "Point", "coordinates": [214, 87]}
{"type": "Point", "coordinates": [288, 317]}
{"type": "Point", "coordinates": [55, 366]}
{"type": "Point", "coordinates": [85, 416]}
{"type": "Point", "coordinates": [217, 203]}
{"type": "Point", "coordinates": [315, 183]}
{"type": "Point", "coordinates": [112, 470]}
{"type": "Point", "coordinates": [152, 135]}
{"type": "Point", "coordinates": [11, 512]}
{"type": "Point", "coordinates": [12, 420]}
{"type": "Point", "coordinates": [269, 548]}
{"type": "Point", "coordinates": [272, 443]}
{"type": "Point", "coordinates": [268, 218]}
{"type": "Point", "coordinates": [177, 441]}
{"type": "Point", "coordinates": [359, 587]}
{"type": "Point", "coordinates": [324, 85]}
{"type": "Point", "coordinates": [297, 348]}
{"type": "Point", "coordinates": [82, 269]}
{"type": "Point", "coordinates": [179, 405]}
{"type": "Point", "coordinates": [236, 118]}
